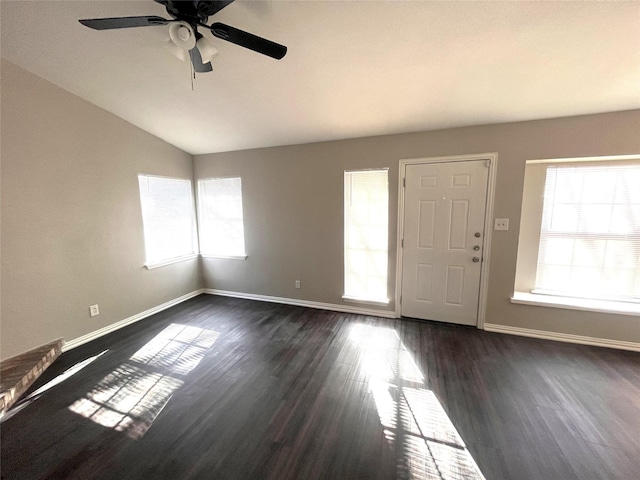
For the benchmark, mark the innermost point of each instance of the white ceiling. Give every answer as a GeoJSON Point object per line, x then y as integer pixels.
{"type": "Point", "coordinates": [353, 69]}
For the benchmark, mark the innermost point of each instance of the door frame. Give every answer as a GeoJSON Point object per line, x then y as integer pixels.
{"type": "Point", "coordinates": [492, 158]}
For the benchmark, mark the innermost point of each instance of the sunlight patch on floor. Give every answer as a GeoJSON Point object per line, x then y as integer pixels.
{"type": "Point", "coordinates": [130, 398]}
{"type": "Point", "coordinates": [410, 414]}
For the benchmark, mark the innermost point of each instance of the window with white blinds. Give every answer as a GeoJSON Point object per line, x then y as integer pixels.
{"type": "Point", "coordinates": [168, 218]}
{"type": "Point", "coordinates": [220, 215]}
{"type": "Point", "coordinates": [590, 233]}
{"type": "Point", "coordinates": [366, 232]}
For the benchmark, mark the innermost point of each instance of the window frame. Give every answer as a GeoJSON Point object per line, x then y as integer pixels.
{"type": "Point", "coordinates": [151, 264]}
{"type": "Point", "coordinates": [201, 209]}
{"type": "Point", "coordinates": [350, 296]}
{"type": "Point", "coordinates": [525, 291]}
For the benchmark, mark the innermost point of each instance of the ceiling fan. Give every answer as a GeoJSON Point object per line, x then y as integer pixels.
{"type": "Point", "coordinates": [183, 30]}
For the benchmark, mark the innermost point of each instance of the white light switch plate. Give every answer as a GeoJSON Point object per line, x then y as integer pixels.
{"type": "Point", "coordinates": [501, 224]}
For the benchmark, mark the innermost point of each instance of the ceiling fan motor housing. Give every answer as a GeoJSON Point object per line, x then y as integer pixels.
{"type": "Point", "coordinates": [193, 12]}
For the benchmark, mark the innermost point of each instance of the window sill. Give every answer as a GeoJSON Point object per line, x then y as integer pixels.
{"type": "Point", "coordinates": [370, 301]}
{"type": "Point", "coordinates": [602, 306]}
{"type": "Point", "coordinates": [231, 257]}
{"type": "Point", "coordinates": [163, 263]}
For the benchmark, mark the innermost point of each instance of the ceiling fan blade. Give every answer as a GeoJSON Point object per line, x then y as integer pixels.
{"type": "Point", "coordinates": [123, 22]}
{"type": "Point", "coordinates": [248, 40]}
{"type": "Point", "coordinates": [196, 61]}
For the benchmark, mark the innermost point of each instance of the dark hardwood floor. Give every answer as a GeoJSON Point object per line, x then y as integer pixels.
{"type": "Point", "coordinates": [221, 388]}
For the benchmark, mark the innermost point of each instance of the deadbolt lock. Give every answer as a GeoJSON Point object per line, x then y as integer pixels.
{"type": "Point", "coordinates": [476, 259]}
{"type": "Point", "coordinates": [477, 234]}
{"type": "Point", "coordinates": [476, 247]}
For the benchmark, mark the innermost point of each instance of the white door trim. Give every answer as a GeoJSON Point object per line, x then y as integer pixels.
{"type": "Point", "coordinates": [492, 158]}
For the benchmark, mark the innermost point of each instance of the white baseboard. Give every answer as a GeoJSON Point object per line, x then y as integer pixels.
{"type": "Point", "coordinates": [563, 337]}
{"type": "Point", "coordinates": [76, 342]}
{"type": "Point", "coordinates": [303, 303]}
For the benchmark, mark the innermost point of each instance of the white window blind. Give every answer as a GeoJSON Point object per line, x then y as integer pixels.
{"type": "Point", "coordinates": [220, 215]}
{"type": "Point", "coordinates": [366, 232]}
{"type": "Point", "coordinates": [168, 218]}
{"type": "Point", "coordinates": [590, 233]}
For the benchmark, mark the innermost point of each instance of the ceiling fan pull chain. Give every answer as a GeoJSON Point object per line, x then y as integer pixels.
{"type": "Point", "coordinates": [192, 74]}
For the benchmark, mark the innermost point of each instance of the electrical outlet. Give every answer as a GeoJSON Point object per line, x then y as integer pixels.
{"type": "Point", "coordinates": [297, 283]}
{"type": "Point", "coordinates": [501, 224]}
{"type": "Point", "coordinates": [94, 310]}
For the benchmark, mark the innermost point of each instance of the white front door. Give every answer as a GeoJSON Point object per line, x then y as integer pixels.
{"type": "Point", "coordinates": [443, 233]}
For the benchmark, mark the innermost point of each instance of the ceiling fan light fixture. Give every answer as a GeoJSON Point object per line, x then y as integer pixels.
{"type": "Point", "coordinates": [176, 51]}
{"type": "Point", "coordinates": [207, 50]}
{"type": "Point", "coordinates": [182, 35]}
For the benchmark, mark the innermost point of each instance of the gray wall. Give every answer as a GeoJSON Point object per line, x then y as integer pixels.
{"type": "Point", "coordinates": [71, 223]}
{"type": "Point", "coordinates": [293, 210]}
{"type": "Point", "coordinates": [71, 232]}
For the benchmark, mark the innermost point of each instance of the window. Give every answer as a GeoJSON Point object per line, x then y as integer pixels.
{"type": "Point", "coordinates": [366, 232]}
{"type": "Point", "coordinates": [168, 219]}
{"type": "Point", "coordinates": [221, 219]}
{"type": "Point", "coordinates": [590, 232]}
{"type": "Point", "coordinates": [579, 244]}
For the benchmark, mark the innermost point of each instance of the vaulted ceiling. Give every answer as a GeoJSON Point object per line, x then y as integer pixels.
{"type": "Point", "coordinates": [353, 68]}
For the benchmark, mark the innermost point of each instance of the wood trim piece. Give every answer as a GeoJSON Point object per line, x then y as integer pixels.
{"type": "Point", "coordinates": [581, 304]}
{"type": "Point", "coordinates": [563, 337]}
{"type": "Point", "coordinates": [18, 373]}
{"type": "Point", "coordinates": [302, 303]}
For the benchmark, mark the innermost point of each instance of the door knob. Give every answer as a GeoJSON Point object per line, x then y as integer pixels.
{"type": "Point", "coordinates": [476, 259]}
